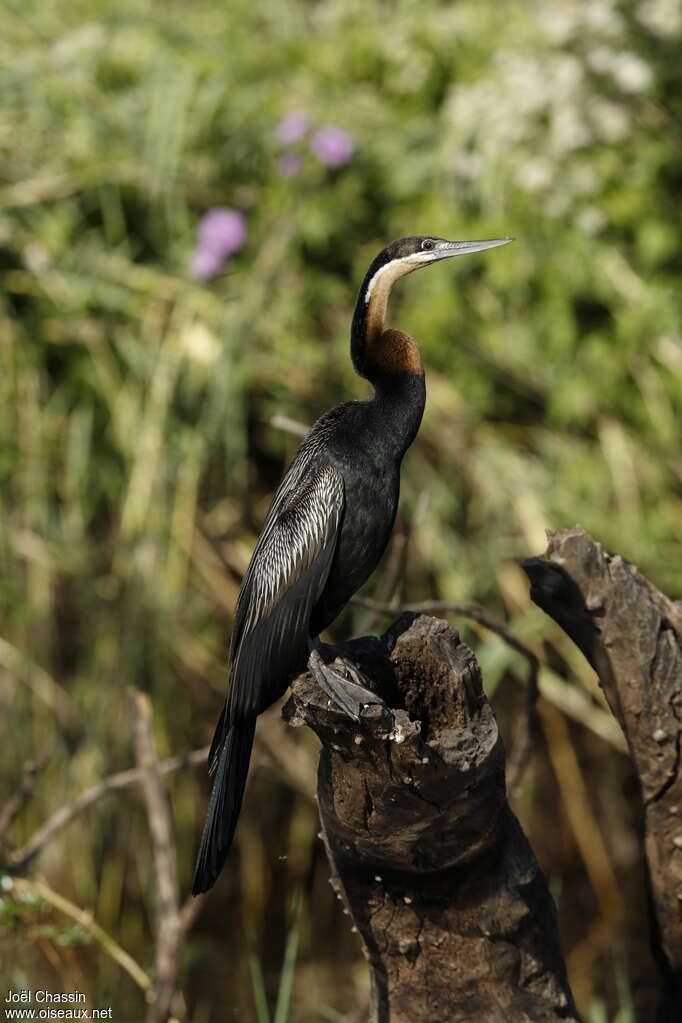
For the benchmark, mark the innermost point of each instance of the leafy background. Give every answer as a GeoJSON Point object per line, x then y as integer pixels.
{"type": "Point", "coordinates": [138, 450]}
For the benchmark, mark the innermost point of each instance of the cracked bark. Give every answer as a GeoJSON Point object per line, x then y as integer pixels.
{"type": "Point", "coordinates": [455, 918]}
{"type": "Point", "coordinates": [631, 634]}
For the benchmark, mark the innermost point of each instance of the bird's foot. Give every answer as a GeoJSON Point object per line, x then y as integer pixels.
{"type": "Point", "coordinates": [343, 683]}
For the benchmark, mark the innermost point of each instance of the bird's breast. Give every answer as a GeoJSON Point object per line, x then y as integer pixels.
{"type": "Point", "coordinates": [371, 500]}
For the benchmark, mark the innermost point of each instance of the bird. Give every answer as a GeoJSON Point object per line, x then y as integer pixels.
{"type": "Point", "coordinates": [327, 528]}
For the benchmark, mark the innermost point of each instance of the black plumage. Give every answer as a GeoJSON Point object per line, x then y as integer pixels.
{"type": "Point", "coordinates": [326, 530]}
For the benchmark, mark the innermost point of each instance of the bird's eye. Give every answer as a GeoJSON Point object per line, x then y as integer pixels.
{"type": "Point", "coordinates": [427, 244]}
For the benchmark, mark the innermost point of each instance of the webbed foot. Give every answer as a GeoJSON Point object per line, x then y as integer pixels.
{"type": "Point", "coordinates": [343, 683]}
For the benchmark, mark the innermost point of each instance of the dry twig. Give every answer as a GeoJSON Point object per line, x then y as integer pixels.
{"type": "Point", "coordinates": [168, 922]}
{"type": "Point", "coordinates": [15, 803]}
{"type": "Point", "coordinates": [85, 920]}
{"type": "Point", "coordinates": [19, 860]}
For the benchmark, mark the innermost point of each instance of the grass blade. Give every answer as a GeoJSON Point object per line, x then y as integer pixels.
{"type": "Point", "coordinates": [258, 985]}
{"type": "Point", "coordinates": [286, 981]}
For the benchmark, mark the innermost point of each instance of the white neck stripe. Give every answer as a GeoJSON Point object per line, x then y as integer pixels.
{"type": "Point", "coordinates": [414, 257]}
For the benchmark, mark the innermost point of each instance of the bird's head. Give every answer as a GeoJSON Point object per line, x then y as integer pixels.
{"type": "Point", "coordinates": [408, 254]}
{"type": "Point", "coordinates": [373, 349]}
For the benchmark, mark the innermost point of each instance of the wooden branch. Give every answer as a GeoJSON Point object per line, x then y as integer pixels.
{"type": "Point", "coordinates": [518, 761]}
{"type": "Point", "coordinates": [168, 922]}
{"type": "Point", "coordinates": [453, 912]}
{"type": "Point", "coordinates": [632, 636]}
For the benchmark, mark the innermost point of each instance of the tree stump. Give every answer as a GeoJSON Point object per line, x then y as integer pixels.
{"type": "Point", "coordinates": [453, 912]}
{"type": "Point", "coordinates": [631, 634]}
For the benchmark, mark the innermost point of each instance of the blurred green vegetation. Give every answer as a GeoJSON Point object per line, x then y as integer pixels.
{"type": "Point", "coordinates": [138, 453]}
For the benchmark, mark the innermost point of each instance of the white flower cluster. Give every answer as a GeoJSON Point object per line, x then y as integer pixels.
{"type": "Point", "coordinates": [562, 82]}
{"type": "Point", "coordinates": [661, 17]}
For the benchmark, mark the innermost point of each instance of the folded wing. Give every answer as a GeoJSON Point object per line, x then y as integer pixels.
{"type": "Point", "coordinates": [284, 581]}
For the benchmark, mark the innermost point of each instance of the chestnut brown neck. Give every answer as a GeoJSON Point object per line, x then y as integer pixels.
{"type": "Point", "coordinates": [392, 352]}
{"type": "Point", "coordinates": [379, 352]}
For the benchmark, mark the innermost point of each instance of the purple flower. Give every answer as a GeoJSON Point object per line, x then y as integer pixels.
{"type": "Point", "coordinates": [289, 165]}
{"type": "Point", "coordinates": [293, 127]}
{"type": "Point", "coordinates": [206, 264]}
{"type": "Point", "coordinates": [221, 232]}
{"type": "Point", "coordinates": [332, 146]}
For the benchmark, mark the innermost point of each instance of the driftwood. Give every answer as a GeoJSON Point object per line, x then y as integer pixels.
{"type": "Point", "coordinates": [453, 912]}
{"type": "Point", "coordinates": [632, 636]}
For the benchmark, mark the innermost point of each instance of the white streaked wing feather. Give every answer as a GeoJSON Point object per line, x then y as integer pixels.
{"type": "Point", "coordinates": [292, 540]}
{"type": "Point", "coordinates": [305, 508]}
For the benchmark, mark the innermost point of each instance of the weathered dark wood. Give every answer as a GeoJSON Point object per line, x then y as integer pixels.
{"type": "Point", "coordinates": [454, 914]}
{"type": "Point", "coordinates": [632, 635]}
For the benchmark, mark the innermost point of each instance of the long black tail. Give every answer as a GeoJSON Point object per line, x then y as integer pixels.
{"type": "Point", "coordinates": [225, 804]}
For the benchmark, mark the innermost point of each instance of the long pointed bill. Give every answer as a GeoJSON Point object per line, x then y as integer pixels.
{"type": "Point", "coordinates": [445, 249]}
{"type": "Point", "coordinates": [401, 265]}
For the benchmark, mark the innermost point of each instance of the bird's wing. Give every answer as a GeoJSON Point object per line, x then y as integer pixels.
{"type": "Point", "coordinates": [283, 582]}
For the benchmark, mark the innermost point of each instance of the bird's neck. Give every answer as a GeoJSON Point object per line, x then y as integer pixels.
{"type": "Point", "coordinates": [378, 353]}
{"type": "Point", "coordinates": [396, 409]}
{"type": "Point", "coordinates": [390, 360]}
